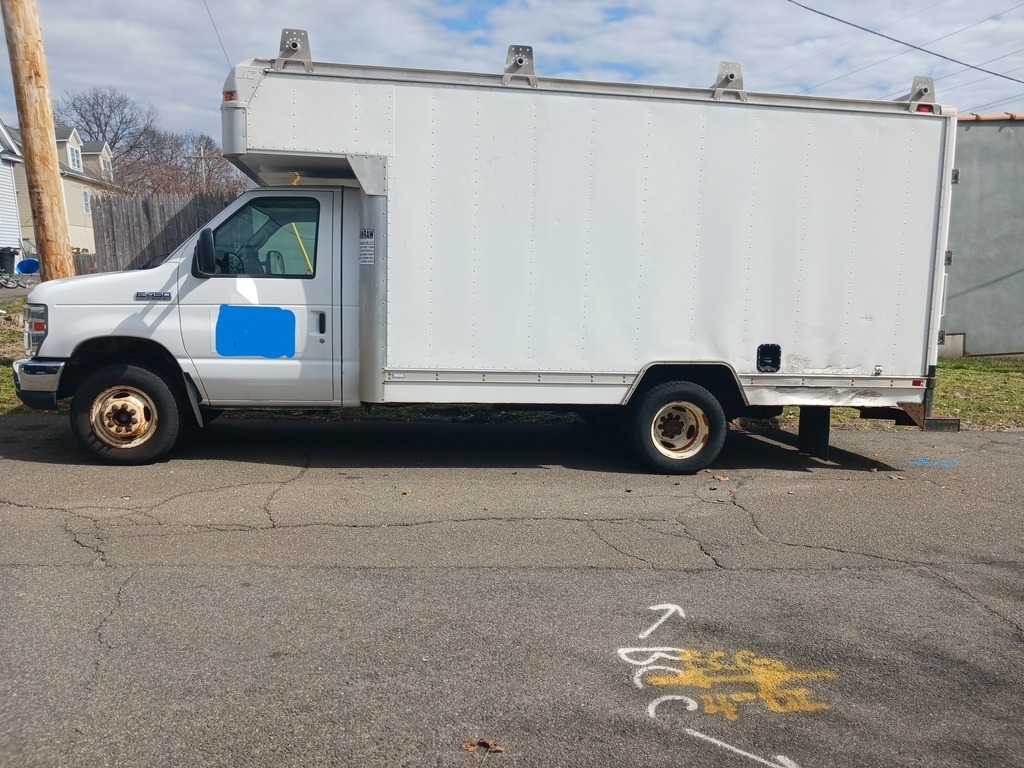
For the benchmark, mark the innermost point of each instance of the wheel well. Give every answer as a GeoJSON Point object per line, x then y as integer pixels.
{"type": "Point", "coordinates": [717, 378]}
{"type": "Point", "coordinates": [96, 353]}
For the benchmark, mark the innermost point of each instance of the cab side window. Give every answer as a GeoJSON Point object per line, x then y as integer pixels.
{"type": "Point", "coordinates": [269, 237]}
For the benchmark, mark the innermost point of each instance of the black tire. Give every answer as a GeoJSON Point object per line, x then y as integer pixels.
{"type": "Point", "coordinates": [125, 414]}
{"type": "Point", "coordinates": [678, 428]}
{"type": "Point", "coordinates": [6, 281]}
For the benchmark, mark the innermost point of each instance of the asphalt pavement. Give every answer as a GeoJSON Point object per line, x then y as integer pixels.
{"type": "Point", "coordinates": [309, 592]}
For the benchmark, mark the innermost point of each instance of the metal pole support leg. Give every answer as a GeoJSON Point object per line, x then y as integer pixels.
{"type": "Point", "coordinates": [812, 437]}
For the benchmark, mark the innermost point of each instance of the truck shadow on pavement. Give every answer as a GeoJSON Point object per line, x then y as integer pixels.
{"type": "Point", "coordinates": [46, 439]}
{"type": "Point", "coordinates": [445, 444]}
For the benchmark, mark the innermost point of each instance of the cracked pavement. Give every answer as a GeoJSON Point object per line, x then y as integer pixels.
{"type": "Point", "coordinates": [354, 593]}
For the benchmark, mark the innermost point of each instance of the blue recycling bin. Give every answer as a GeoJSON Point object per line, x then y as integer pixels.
{"type": "Point", "coordinates": [28, 266]}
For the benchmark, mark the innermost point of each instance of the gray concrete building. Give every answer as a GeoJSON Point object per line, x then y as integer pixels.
{"type": "Point", "coordinates": [985, 292]}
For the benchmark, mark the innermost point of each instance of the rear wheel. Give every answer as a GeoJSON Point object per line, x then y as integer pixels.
{"type": "Point", "coordinates": [678, 428]}
{"type": "Point", "coordinates": [125, 414]}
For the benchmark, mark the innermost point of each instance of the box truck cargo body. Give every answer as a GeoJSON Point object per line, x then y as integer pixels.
{"type": "Point", "coordinates": [679, 257]}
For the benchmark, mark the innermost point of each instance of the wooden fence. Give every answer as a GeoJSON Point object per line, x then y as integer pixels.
{"type": "Point", "coordinates": [132, 231]}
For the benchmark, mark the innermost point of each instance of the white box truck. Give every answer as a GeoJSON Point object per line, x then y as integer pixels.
{"type": "Point", "coordinates": [676, 257]}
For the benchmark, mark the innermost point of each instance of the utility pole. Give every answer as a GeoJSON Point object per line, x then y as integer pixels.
{"type": "Point", "coordinates": [38, 139]}
{"type": "Point", "coordinates": [202, 158]}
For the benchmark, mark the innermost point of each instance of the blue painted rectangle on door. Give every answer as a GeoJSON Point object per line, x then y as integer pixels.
{"type": "Point", "coordinates": [255, 332]}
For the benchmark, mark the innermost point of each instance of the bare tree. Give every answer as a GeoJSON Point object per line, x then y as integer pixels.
{"type": "Point", "coordinates": [146, 159]}
{"type": "Point", "coordinates": [106, 114]}
{"type": "Point", "coordinates": [209, 170]}
{"type": "Point", "coordinates": [181, 163]}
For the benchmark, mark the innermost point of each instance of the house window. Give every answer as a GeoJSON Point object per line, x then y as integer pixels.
{"type": "Point", "coordinates": [86, 202]}
{"type": "Point", "coordinates": [107, 167]}
{"type": "Point", "coordinates": [75, 158]}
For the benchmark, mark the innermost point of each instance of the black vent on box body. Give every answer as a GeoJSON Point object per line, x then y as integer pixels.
{"type": "Point", "coordinates": [769, 358]}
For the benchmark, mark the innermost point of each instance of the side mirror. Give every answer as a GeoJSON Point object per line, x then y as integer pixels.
{"type": "Point", "coordinates": [205, 256]}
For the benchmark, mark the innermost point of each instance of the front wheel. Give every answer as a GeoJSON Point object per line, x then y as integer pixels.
{"type": "Point", "coordinates": [678, 428]}
{"type": "Point", "coordinates": [125, 414]}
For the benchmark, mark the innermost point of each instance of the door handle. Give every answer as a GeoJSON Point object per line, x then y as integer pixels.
{"type": "Point", "coordinates": [323, 322]}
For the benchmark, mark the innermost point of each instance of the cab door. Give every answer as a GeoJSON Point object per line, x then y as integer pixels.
{"type": "Point", "coordinates": [261, 329]}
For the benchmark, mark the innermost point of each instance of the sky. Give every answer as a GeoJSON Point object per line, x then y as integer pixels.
{"type": "Point", "coordinates": [175, 54]}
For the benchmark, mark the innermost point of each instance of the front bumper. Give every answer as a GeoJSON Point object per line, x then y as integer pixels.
{"type": "Point", "coordinates": [36, 382]}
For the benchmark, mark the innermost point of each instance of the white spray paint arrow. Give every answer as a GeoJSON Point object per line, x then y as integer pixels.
{"type": "Point", "coordinates": [780, 761]}
{"type": "Point", "coordinates": [669, 609]}
{"type": "Point", "coordinates": [777, 761]}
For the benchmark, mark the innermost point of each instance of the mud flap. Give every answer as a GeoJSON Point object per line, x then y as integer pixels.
{"type": "Point", "coordinates": [192, 392]}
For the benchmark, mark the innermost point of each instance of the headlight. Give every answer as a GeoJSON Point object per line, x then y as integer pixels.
{"type": "Point", "coordinates": [36, 325]}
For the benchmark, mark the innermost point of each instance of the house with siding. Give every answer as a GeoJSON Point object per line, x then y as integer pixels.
{"type": "Point", "coordinates": [10, 218]}
{"type": "Point", "coordinates": [86, 169]}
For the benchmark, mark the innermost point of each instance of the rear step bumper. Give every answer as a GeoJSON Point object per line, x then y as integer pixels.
{"type": "Point", "coordinates": [913, 415]}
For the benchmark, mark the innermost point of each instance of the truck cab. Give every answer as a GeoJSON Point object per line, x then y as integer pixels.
{"type": "Point", "coordinates": [253, 311]}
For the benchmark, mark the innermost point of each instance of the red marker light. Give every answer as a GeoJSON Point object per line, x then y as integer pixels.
{"type": "Point", "coordinates": [925, 108]}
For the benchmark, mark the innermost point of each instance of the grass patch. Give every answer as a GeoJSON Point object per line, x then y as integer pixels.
{"type": "Point", "coordinates": [12, 346]}
{"type": "Point", "coordinates": [983, 392]}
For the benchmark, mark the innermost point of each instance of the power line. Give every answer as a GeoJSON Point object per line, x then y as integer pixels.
{"type": "Point", "coordinates": [960, 71]}
{"type": "Point", "coordinates": [904, 43]}
{"type": "Point", "coordinates": [217, 32]}
{"type": "Point", "coordinates": [996, 103]}
{"type": "Point", "coordinates": [935, 40]}
{"type": "Point", "coordinates": [851, 40]}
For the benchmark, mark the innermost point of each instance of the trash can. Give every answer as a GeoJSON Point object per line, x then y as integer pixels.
{"type": "Point", "coordinates": [7, 260]}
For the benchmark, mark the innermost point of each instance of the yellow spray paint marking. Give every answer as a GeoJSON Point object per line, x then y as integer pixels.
{"type": "Point", "coordinates": [743, 678]}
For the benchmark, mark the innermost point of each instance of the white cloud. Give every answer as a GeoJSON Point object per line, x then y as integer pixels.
{"type": "Point", "coordinates": [167, 53]}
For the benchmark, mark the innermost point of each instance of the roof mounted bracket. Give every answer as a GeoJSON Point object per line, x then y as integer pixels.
{"type": "Point", "coordinates": [519, 63]}
{"type": "Point", "coordinates": [294, 47]}
{"type": "Point", "coordinates": [922, 91]}
{"type": "Point", "coordinates": [730, 78]}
